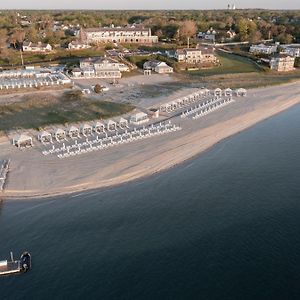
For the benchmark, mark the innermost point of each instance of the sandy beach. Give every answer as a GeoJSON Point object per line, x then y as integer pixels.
{"type": "Point", "coordinates": [34, 175]}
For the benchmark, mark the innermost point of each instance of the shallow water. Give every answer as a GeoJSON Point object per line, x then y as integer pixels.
{"type": "Point", "coordinates": [222, 226]}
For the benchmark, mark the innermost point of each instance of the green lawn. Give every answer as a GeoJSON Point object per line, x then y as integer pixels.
{"type": "Point", "coordinates": [61, 56]}
{"type": "Point", "coordinates": [229, 64]}
{"type": "Point", "coordinates": [34, 114]}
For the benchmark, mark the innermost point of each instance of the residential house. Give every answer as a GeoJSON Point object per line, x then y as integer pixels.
{"type": "Point", "coordinates": [196, 55]}
{"type": "Point", "coordinates": [36, 47]}
{"type": "Point", "coordinates": [158, 67]}
{"type": "Point", "coordinates": [282, 63]}
{"type": "Point", "coordinates": [76, 45]}
{"type": "Point", "coordinates": [101, 68]}
{"type": "Point", "coordinates": [292, 50]}
{"type": "Point", "coordinates": [263, 49]}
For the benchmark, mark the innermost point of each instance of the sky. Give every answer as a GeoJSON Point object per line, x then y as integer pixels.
{"type": "Point", "coordinates": [147, 4]}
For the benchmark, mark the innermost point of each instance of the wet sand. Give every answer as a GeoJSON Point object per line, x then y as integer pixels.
{"type": "Point", "coordinates": [34, 175]}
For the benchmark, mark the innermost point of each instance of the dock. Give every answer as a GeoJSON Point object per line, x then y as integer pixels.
{"type": "Point", "coordinates": [4, 168]}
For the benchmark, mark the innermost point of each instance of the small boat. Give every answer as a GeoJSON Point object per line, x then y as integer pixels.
{"type": "Point", "coordinates": [9, 267]}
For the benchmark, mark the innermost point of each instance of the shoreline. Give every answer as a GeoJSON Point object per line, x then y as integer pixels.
{"type": "Point", "coordinates": [142, 160]}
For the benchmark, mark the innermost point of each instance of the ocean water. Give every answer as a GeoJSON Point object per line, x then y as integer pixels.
{"type": "Point", "coordinates": [224, 225]}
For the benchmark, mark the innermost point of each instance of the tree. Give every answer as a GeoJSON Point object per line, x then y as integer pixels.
{"type": "Point", "coordinates": [98, 89]}
{"type": "Point", "coordinates": [187, 29]}
{"type": "Point", "coordinates": [17, 37]}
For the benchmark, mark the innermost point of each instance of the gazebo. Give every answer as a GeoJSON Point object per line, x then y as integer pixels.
{"type": "Point", "coordinates": [139, 118]}
{"type": "Point", "coordinates": [73, 132]}
{"type": "Point", "coordinates": [22, 141]}
{"type": "Point", "coordinates": [86, 129]}
{"type": "Point", "coordinates": [122, 123]}
{"type": "Point", "coordinates": [45, 137]}
{"type": "Point", "coordinates": [99, 127]}
{"type": "Point", "coordinates": [241, 92]}
{"type": "Point", "coordinates": [111, 125]}
{"type": "Point", "coordinates": [228, 92]}
{"type": "Point", "coordinates": [218, 92]}
{"type": "Point", "coordinates": [59, 134]}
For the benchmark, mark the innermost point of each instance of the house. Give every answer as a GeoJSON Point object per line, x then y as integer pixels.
{"type": "Point", "coordinates": [101, 68]}
{"type": "Point", "coordinates": [130, 34]}
{"type": "Point", "coordinates": [76, 45]}
{"type": "Point", "coordinates": [263, 49]}
{"type": "Point", "coordinates": [209, 35]}
{"type": "Point", "coordinates": [292, 50]}
{"type": "Point", "coordinates": [139, 118]}
{"type": "Point", "coordinates": [196, 55]}
{"type": "Point", "coordinates": [282, 63]}
{"type": "Point", "coordinates": [36, 47]}
{"type": "Point", "coordinates": [158, 67]}
{"type": "Point", "coordinates": [230, 34]}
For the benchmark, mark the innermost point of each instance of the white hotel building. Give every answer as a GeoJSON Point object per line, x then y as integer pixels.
{"type": "Point", "coordinates": [126, 35]}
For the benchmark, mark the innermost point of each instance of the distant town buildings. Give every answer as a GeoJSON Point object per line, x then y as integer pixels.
{"type": "Point", "coordinates": [157, 66]}
{"type": "Point", "coordinates": [76, 45]}
{"type": "Point", "coordinates": [292, 50]}
{"type": "Point", "coordinates": [36, 47]}
{"type": "Point", "coordinates": [282, 63]}
{"type": "Point", "coordinates": [130, 35]}
{"type": "Point", "coordinates": [263, 49]}
{"type": "Point", "coordinates": [100, 68]}
{"type": "Point", "coordinates": [196, 55]}
{"type": "Point", "coordinates": [209, 35]}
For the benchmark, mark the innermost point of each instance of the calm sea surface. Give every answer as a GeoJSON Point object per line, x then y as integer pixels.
{"type": "Point", "coordinates": [225, 225]}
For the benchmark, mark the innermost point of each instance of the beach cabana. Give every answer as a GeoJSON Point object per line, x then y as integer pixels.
{"type": "Point", "coordinates": [206, 92]}
{"type": "Point", "coordinates": [59, 134]}
{"type": "Point", "coordinates": [45, 137]}
{"type": "Point", "coordinates": [22, 141]}
{"type": "Point", "coordinates": [139, 118]}
{"type": "Point", "coordinates": [99, 127]}
{"type": "Point", "coordinates": [241, 92]}
{"type": "Point", "coordinates": [73, 132]}
{"type": "Point", "coordinates": [86, 129]}
{"type": "Point", "coordinates": [218, 92]}
{"type": "Point", "coordinates": [122, 123]}
{"type": "Point", "coordinates": [228, 92]}
{"type": "Point", "coordinates": [111, 125]}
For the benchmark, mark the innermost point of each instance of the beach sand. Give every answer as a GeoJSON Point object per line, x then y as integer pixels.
{"type": "Point", "coordinates": [34, 175]}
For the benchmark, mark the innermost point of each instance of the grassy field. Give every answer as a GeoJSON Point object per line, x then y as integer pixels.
{"type": "Point", "coordinates": [62, 56]}
{"type": "Point", "coordinates": [249, 80]}
{"type": "Point", "coordinates": [229, 64]}
{"type": "Point", "coordinates": [37, 113]}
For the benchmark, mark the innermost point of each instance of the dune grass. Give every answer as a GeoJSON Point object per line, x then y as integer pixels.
{"type": "Point", "coordinates": [38, 113]}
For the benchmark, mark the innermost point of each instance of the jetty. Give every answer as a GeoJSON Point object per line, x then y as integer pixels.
{"type": "Point", "coordinates": [4, 168]}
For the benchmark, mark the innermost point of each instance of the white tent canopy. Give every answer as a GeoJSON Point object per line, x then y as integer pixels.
{"type": "Point", "coordinates": [139, 118]}
{"type": "Point", "coordinates": [218, 92]}
{"type": "Point", "coordinates": [45, 137]}
{"type": "Point", "coordinates": [228, 92]}
{"type": "Point", "coordinates": [73, 132]}
{"type": "Point", "coordinates": [86, 129]}
{"type": "Point", "coordinates": [99, 127]}
{"type": "Point", "coordinates": [111, 125]}
{"type": "Point", "coordinates": [241, 92]}
{"type": "Point", "coordinates": [59, 134]}
{"type": "Point", "coordinates": [22, 140]}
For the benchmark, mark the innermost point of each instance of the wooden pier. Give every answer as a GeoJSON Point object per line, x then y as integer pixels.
{"type": "Point", "coordinates": [4, 168]}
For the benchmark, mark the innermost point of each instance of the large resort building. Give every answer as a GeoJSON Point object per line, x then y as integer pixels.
{"type": "Point", "coordinates": [282, 63]}
{"type": "Point", "coordinates": [100, 68]}
{"type": "Point", "coordinates": [196, 55]}
{"type": "Point", "coordinates": [125, 35]}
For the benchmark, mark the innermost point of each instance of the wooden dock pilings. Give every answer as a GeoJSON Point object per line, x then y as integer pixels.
{"type": "Point", "coordinates": [4, 168]}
